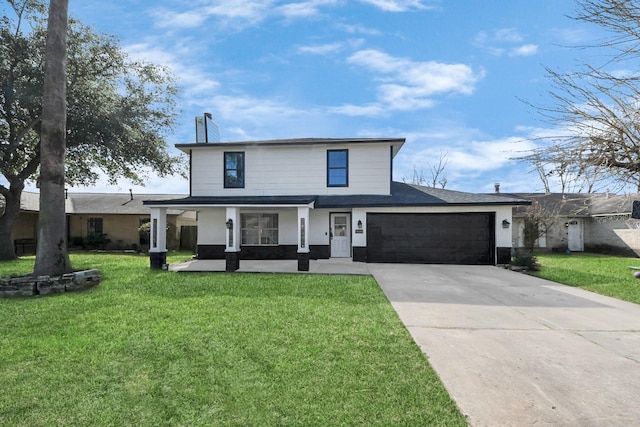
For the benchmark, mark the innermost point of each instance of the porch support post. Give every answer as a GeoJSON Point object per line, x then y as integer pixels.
{"type": "Point", "coordinates": [158, 238]}
{"type": "Point", "coordinates": [232, 251]}
{"type": "Point", "coordinates": [303, 238]}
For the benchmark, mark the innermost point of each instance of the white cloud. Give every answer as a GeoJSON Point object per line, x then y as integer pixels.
{"type": "Point", "coordinates": [524, 50]}
{"type": "Point", "coordinates": [322, 49]}
{"type": "Point", "coordinates": [189, 19]}
{"type": "Point", "coordinates": [470, 156]}
{"type": "Point", "coordinates": [501, 41]}
{"type": "Point", "coordinates": [358, 110]}
{"type": "Point", "coordinates": [571, 36]}
{"type": "Point", "coordinates": [399, 5]}
{"type": "Point", "coordinates": [303, 9]}
{"type": "Point", "coordinates": [193, 79]}
{"type": "Point", "coordinates": [410, 85]}
{"type": "Point", "coordinates": [358, 29]}
{"type": "Point", "coordinates": [328, 48]}
{"type": "Point", "coordinates": [236, 13]}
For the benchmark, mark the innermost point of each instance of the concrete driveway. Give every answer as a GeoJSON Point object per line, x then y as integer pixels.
{"type": "Point", "coordinates": [513, 350]}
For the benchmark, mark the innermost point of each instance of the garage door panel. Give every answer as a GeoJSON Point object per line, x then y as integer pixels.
{"type": "Point", "coordinates": [465, 238]}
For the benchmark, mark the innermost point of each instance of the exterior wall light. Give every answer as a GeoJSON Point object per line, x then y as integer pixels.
{"type": "Point", "coordinates": [359, 224]}
{"type": "Point", "coordinates": [229, 224]}
{"type": "Point", "coordinates": [505, 223]}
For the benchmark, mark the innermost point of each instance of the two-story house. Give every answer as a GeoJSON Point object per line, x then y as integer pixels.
{"type": "Point", "coordinates": [328, 198]}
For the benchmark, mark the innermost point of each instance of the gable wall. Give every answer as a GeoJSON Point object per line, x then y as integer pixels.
{"type": "Point", "coordinates": [295, 170]}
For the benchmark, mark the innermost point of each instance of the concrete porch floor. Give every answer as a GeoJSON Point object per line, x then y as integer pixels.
{"type": "Point", "coordinates": [320, 266]}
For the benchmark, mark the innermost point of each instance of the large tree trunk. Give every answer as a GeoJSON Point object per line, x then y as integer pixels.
{"type": "Point", "coordinates": [8, 220]}
{"type": "Point", "coordinates": [52, 258]}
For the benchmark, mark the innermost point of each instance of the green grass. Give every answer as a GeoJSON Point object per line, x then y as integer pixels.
{"type": "Point", "coordinates": [154, 348]}
{"type": "Point", "coordinates": [606, 275]}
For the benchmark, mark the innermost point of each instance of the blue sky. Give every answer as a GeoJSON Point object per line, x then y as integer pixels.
{"type": "Point", "coordinates": [446, 75]}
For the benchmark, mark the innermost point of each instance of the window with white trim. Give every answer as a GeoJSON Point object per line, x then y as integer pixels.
{"type": "Point", "coordinates": [259, 229]}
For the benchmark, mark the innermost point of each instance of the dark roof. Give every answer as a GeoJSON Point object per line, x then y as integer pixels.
{"type": "Point", "coordinates": [114, 203]}
{"type": "Point", "coordinates": [608, 204]}
{"type": "Point", "coordinates": [401, 195]}
{"type": "Point", "coordinates": [580, 204]}
{"type": "Point", "coordinates": [235, 200]}
{"type": "Point", "coordinates": [561, 204]}
{"type": "Point", "coordinates": [98, 203]}
{"type": "Point", "coordinates": [415, 195]}
{"type": "Point", "coordinates": [396, 142]}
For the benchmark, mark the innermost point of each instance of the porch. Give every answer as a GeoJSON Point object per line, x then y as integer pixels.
{"type": "Point", "coordinates": [320, 266]}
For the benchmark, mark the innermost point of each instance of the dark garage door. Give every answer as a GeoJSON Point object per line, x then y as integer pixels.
{"type": "Point", "coordinates": [458, 238]}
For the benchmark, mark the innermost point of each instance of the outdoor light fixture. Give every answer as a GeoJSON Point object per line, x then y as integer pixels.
{"type": "Point", "coordinates": [505, 223]}
{"type": "Point", "coordinates": [229, 224]}
{"type": "Point", "coordinates": [359, 224]}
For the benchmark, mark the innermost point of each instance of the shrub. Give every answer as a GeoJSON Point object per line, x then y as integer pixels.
{"type": "Point", "coordinates": [525, 259]}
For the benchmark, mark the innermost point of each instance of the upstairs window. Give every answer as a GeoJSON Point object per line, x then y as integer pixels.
{"type": "Point", "coordinates": [337, 168]}
{"type": "Point", "coordinates": [234, 170]}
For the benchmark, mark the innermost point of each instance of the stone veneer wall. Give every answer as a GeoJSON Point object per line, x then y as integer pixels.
{"type": "Point", "coordinates": [26, 286]}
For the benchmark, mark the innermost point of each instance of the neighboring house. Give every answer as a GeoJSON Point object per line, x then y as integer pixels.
{"type": "Point", "coordinates": [582, 222]}
{"type": "Point", "coordinates": [118, 217]}
{"type": "Point", "coordinates": [26, 227]}
{"type": "Point", "coordinates": [328, 198]}
{"type": "Point", "coordinates": [105, 220]}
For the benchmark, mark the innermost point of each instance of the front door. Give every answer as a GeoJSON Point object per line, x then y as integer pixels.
{"type": "Point", "coordinates": [340, 234]}
{"type": "Point", "coordinates": [575, 235]}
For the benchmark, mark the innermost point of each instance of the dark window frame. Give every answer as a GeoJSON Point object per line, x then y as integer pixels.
{"type": "Point", "coordinates": [239, 169]}
{"type": "Point", "coordinates": [95, 225]}
{"type": "Point", "coordinates": [331, 167]}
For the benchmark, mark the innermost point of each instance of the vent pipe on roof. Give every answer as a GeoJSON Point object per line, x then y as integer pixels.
{"type": "Point", "coordinates": [131, 193]}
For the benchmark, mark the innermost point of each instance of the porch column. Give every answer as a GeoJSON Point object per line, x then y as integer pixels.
{"type": "Point", "coordinates": [303, 238]}
{"type": "Point", "coordinates": [232, 251]}
{"type": "Point", "coordinates": [158, 238]}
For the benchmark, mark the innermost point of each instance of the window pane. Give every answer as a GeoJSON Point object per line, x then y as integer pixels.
{"type": "Point", "coordinates": [269, 237]}
{"type": "Point", "coordinates": [337, 167]}
{"type": "Point", "coordinates": [269, 221]}
{"type": "Point", "coordinates": [250, 237]}
{"type": "Point", "coordinates": [231, 161]}
{"type": "Point", "coordinates": [259, 229]}
{"type": "Point", "coordinates": [337, 177]}
{"type": "Point", "coordinates": [249, 220]}
{"type": "Point", "coordinates": [338, 159]}
{"type": "Point", "coordinates": [234, 170]}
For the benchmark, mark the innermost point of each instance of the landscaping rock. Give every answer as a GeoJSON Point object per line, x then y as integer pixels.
{"type": "Point", "coordinates": [26, 286]}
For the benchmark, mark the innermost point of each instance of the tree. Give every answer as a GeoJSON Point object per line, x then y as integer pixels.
{"type": "Point", "coordinates": [119, 111]}
{"type": "Point", "coordinates": [557, 165]}
{"type": "Point", "coordinates": [51, 256]}
{"type": "Point", "coordinates": [437, 169]}
{"type": "Point", "coordinates": [596, 109]}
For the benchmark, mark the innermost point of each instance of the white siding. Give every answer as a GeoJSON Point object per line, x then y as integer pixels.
{"type": "Point", "coordinates": [212, 231]}
{"type": "Point", "coordinates": [319, 223]}
{"type": "Point", "coordinates": [211, 226]}
{"type": "Point", "coordinates": [292, 170]}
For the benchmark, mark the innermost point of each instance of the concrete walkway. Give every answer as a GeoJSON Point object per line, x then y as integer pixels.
{"type": "Point", "coordinates": [513, 350]}
{"type": "Point", "coordinates": [321, 266]}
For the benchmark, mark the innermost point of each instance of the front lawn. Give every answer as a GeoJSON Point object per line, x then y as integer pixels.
{"type": "Point", "coordinates": [606, 275]}
{"type": "Point", "coordinates": [152, 348]}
